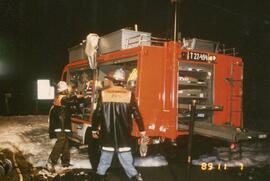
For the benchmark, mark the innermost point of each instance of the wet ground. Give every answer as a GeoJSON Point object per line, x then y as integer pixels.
{"type": "Point", "coordinates": [27, 139]}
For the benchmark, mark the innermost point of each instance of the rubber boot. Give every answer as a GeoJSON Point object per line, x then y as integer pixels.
{"type": "Point", "coordinates": [137, 177]}
{"type": "Point", "coordinates": [99, 177]}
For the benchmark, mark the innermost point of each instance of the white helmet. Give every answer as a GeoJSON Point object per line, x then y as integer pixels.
{"type": "Point", "coordinates": [61, 86]}
{"type": "Point", "coordinates": [119, 75]}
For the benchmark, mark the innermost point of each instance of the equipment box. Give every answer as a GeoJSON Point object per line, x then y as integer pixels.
{"type": "Point", "coordinates": [115, 41]}
{"type": "Point", "coordinates": [77, 53]}
{"type": "Point", "coordinates": [123, 39]}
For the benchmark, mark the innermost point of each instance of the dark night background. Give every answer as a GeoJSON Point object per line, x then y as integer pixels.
{"type": "Point", "coordinates": [35, 36]}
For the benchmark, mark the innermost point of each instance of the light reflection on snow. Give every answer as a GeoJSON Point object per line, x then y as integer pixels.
{"type": "Point", "coordinates": [150, 161]}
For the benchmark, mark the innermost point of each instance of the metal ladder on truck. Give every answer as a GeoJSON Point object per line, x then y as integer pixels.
{"type": "Point", "coordinates": [234, 82]}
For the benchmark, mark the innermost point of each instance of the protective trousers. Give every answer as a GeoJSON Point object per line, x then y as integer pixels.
{"type": "Point", "coordinates": [61, 148]}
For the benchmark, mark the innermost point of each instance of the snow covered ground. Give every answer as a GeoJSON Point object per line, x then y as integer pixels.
{"type": "Point", "coordinates": [252, 155]}
{"type": "Point", "coordinates": [150, 161]}
{"type": "Point", "coordinates": [29, 134]}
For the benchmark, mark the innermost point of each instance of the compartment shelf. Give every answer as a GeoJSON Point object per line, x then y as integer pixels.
{"type": "Point", "coordinates": [201, 107]}
{"type": "Point", "coordinates": [190, 83]}
{"type": "Point", "coordinates": [191, 93]}
{"type": "Point", "coordinates": [187, 115]}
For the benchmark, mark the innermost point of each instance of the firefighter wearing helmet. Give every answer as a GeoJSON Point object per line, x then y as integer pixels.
{"type": "Point", "coordinates": [113, 115]}
{"type": "Point", "coordinates": [60, 125]}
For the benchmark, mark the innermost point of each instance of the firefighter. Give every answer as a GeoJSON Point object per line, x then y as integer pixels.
{"type": "Point", "coordinates": [113, 114]}
{"type": "Point", "coordinates": [60, 125]}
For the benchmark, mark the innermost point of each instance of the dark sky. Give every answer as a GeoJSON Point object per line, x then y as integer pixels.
{"type": "Point", "coordinates": [35, 36]}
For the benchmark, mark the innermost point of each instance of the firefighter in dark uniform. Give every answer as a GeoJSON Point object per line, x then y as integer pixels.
{"type": "Point", "coordinates": [113, 114]}
{"type": "Point", "coordinates": [60, 125]}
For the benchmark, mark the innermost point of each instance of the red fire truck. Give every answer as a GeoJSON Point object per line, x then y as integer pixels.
{"type": "Point", "coordinates": [165, 77]}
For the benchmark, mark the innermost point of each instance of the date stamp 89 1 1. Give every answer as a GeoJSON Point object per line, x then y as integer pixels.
{"type": "Point", "coordinates": [208, 166]}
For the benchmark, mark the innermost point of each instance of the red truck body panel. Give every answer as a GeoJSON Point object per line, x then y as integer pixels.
{"type": "Point", "coordinates": [157, 86]}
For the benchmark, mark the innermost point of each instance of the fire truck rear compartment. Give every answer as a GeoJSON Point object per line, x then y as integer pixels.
{"type": "Point", "coordinates": [195, 82]}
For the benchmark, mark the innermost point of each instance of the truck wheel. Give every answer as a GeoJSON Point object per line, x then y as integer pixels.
{"type": "Point", "coordinates": [169, 150]}
{"type": "Point", "coordinates": [93, 149]}
{"type": "Point", "coordinates": [174, 151]}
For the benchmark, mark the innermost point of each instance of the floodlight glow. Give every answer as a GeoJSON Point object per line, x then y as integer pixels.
{"type": "Point", "coordinates": [44, 90]}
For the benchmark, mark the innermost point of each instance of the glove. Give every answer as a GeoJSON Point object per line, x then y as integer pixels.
{"type": "Point", "coordinates": [69, 134]}
{"type": "Point", "coordinates": [95, 134]}
{"type": "Point", "coordinates": [144, 144]}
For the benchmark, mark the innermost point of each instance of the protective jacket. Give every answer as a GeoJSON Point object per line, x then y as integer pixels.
{"type": "Point", "coordinates": [60, 113]}
{"type": "Point", "coordinates": [114, 111]}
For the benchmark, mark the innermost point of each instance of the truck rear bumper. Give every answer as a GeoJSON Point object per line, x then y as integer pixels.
{"type": "Point", "coordinates": [224, 133]}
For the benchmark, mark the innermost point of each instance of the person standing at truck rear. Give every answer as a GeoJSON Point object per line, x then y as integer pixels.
{"type": "Point", "coordinates": [113, 114]}
{"type": "Point", "coordinates": [60, 125]}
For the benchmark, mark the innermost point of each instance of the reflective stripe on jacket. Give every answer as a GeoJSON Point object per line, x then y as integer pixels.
{"type": "Point", "coordinates": [59, 115]}
{"type": "Point", "coordinates": [114, 111]}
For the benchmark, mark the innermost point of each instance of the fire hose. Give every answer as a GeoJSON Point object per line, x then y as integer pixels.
{"type": "Point", "coordinates": [18, 171]}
